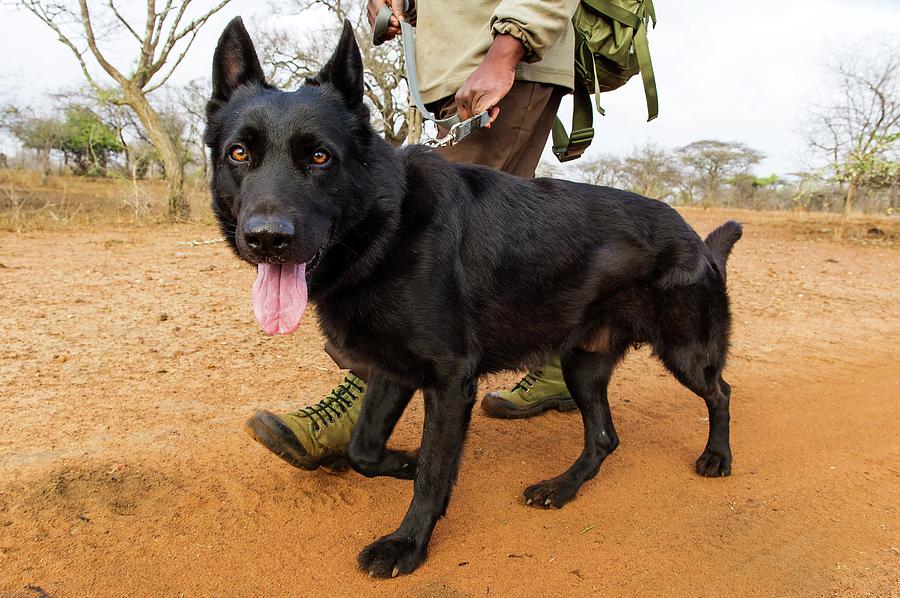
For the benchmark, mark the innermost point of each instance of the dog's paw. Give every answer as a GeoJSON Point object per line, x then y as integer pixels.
{"type": "Point", "coordinates": [713, 464]}
{"type": "Point", "coordinates": [550, 493]}
{"type": "Point", "coordinates": [395, 464]}
{"type": "Point", "coordinates": [400, 464]}
{"type": "Point", "coordinates": [391, 556]}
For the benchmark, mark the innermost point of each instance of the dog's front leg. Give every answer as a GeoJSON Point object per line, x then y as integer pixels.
{"type": "Point", "coordinates": [384, 404]}
{"type": "Point", "coordinates": [447, 413]}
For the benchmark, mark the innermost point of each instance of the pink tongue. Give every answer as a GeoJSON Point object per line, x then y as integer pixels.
{"type": "Point", "coordinates": [279, 297]}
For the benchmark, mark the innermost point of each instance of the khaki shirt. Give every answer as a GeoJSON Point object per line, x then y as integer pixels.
{"type": "Point", "coordinates": [453, 37]}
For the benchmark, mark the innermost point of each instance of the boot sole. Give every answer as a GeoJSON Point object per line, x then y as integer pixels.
{"type": "Point", "coordinates": [269, 431]}
{"type": "Point", "coordinates": [503, 409]}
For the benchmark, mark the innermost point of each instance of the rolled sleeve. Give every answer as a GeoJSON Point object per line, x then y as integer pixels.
{"type": "Point", "coordinates": [538, 24]}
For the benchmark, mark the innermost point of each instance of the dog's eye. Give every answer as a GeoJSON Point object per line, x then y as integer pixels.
{"type": "Point", "coordinates": [239, 153]}
{"type": "Point", "coordinates": [320, 157]}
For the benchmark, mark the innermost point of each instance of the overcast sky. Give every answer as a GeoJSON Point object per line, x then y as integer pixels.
{"type": "Point", "coordinates": [725, 70]}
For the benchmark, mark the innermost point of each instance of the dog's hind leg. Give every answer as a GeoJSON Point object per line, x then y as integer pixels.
{"type": "Point", "coordinates": [698, 367]}
{"type": "Point", "coordinates": [587, 375]}
{"type": "Point", "coordinates": [384, 404]}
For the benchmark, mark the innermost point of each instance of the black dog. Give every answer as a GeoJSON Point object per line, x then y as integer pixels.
{"type": "Point", "coordinates": [435, 273]}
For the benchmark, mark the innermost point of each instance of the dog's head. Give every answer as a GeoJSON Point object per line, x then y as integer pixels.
{"type": "Point", "coordinates": [290, 169]}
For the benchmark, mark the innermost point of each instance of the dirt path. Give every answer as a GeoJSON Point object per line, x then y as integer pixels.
{"type": "Point", "coordinates": [128, 363]}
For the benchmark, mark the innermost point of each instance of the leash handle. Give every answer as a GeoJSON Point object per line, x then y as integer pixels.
{"type": "Point", "coordinates": [458, 129]}
{"type": "Point", "coordinates": [383, 20]}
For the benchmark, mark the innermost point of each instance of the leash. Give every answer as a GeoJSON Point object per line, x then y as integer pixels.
{"type": "Point", "coordinates": [457, 129]}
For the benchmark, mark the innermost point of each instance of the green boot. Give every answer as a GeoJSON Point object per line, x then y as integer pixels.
{"type": "Point", "coordinates": [535, 393]}
{"type": "Point", "coordinates": [315, 435]}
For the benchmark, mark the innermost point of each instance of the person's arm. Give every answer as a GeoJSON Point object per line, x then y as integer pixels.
{"type": "Point", "coordinates": [523, 30]}
{"type": "Point", "coordinates": [538, 24]}
{"type": "Point", "coordinates": [492, 80]}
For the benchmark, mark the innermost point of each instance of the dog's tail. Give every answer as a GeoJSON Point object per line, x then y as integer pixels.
{"type": "Point", "coordinates": [721, 240]}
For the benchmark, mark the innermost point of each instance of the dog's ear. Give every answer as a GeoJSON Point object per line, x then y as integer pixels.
{"type": "Point", "coordinates": [235, 62]}
{"type": "Point", "coordinates": [344, 70]}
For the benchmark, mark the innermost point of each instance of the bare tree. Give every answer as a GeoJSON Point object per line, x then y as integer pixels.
{"type": "Point", "coordinates": [652, 171]}
{"type": "Point", "coordinates": [605, 170]}
{"type": "Point", "coordinates": [289, 59]}
{"type": "Point", "coordinates": [711, 162]}
{"type": "Point", "coordinates": [191, 100]}
{"type": "Point", "coordinates": [648, 170]}
{"type": "Point", "coordinates": [858, 133]}
{"type": "Point", "coordinates": [160, 45]}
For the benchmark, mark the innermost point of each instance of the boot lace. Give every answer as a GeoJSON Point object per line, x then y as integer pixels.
{"type": "Point", "coordinates": [332, 407]}
{"type": "Point", "coordinates": [527, 381]}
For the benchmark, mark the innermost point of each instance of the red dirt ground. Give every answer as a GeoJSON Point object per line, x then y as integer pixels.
{"type": "Point", "coordinates": [128, 363]}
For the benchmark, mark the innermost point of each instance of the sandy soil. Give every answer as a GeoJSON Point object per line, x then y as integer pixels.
{"type": "Point", "coordinates": [128, 363]}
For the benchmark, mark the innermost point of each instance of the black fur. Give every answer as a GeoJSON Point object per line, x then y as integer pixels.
{"type": "Point", "coordinates": [436, 273]}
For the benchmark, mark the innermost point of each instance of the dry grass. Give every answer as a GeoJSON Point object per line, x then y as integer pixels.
{"type": "Point", "coordinates": [28, 202]}
{"type": "Point", "coordinates": [864, 229]}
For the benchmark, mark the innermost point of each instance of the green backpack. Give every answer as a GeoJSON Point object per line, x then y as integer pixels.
{"type": "Point", "coordinates": [610, 48]}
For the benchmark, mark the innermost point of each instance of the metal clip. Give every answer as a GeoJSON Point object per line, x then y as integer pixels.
{"type": "Point", "coordinates": [440, 141]}
{"type": "Point", "coordinates": [461, 130]}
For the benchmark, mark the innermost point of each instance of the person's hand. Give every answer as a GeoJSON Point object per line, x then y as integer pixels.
{"type": "Point", "coordinates": [492, 80]}
{"type": "Point", "coordinates": [393, 29]}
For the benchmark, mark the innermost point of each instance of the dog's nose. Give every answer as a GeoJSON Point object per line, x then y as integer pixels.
{"type": "Point", "coordinates": [268, 235]}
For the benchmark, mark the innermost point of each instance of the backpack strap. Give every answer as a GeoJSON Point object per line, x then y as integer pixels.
{"type": "Point", "coordinates": [615, 12]}
{"type": "Point", "coordinates": [642, 50]}
{"type": "Point", "coordinates": [566, 147]}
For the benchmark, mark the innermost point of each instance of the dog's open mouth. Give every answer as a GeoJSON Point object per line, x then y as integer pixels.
{"type": "Point", "coordinates": [280, 294]}
{"type": "Point", "coordinates": [315, 259]}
